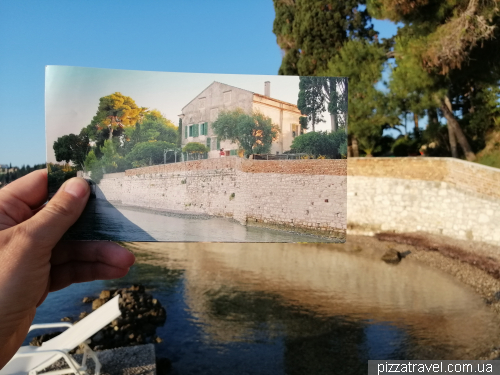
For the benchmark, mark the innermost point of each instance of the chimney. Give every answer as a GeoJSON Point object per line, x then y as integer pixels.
{"type": "Point", "coordinates": [267, 88]}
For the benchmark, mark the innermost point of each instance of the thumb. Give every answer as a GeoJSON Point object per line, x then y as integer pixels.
{"type": "Point", "coordinates": [47, 226]}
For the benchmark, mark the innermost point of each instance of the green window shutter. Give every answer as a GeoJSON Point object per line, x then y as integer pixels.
{"type": "Point", "coordinates": [206, 128]}
{"type": "Point", "coordinates": [197, 130]}
{"type": "Point", "coordinates": [185, 131]}
{"type": "Point", "coordinates": [218, 144]}
{"type": "Point", "coordinates": [191, 131]}
{"type": "Point", "coordinates": [208, 143]}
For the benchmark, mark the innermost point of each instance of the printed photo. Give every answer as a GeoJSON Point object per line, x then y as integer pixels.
{"type": "Point", "coordinates": [191, 157]}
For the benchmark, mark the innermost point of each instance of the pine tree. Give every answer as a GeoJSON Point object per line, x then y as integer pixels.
{"type": "Point", "coordinates": [443, 40]}
{"type": "Point", "coordinates": [310, 32]}
{"type": "Point", "coordinates": [368, 113]}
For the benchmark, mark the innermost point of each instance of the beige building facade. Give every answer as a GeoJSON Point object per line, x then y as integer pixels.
{"type": "Point", "coordinates": [199, 114]}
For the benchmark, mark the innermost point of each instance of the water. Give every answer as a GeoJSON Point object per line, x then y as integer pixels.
{"type": "Point", "coordinates": [104, 221]}
{"type": "Point", "coordinates": [295, 309]}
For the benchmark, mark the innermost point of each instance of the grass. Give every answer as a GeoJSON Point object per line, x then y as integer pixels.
{"type": "Point", "coordinates": [491, 159]}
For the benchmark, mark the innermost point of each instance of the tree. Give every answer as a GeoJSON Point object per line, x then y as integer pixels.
{"type": "Point", "coordinates": [148, 153]}
{"type": "Point", "coordinates": [195, 148]}
{"type": "Point", "coordinates": [330, 145]}
{"type": "Point", "coordinates": [336, 95]}
{"type": "Point", "coordinates": [310, 32]}
{"type": "Point", "coordinates": [116, 112]}
{"type": "Point", "coordinates": [311, 101]}
{"type": "Point", "coordinates": [153, 127]}
{"type": "Point", "coordinates": [369, 113]}
{"type": "Point", "coordinates": [455, 43]}
{"type": "Point", "coordinates": [254, 133]}
{"type": "Point", "coordinates": [72, 148]}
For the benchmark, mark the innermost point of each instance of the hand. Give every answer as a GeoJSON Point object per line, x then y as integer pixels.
{"type": "Point", "coordinates": [33, 261]}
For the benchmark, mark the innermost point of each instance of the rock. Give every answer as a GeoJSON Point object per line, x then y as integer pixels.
{"type": "Point", "coordinates": [141, 315]}
{"type": "Point", "coordinates": [66, 319]}
{"type": "Point", "coordinates": [98, 337]}
{"type": "Point", "coordinates": [82, 315]}
{"type": "Point", "coordinates": [105, 294]}
{"type": "Point", "coordinates": [39, 340]}
{"type": "Point", "coordinates": [157, 339]}
{"type": "Point", "coordinates": [391, 256]}
{"type": "Point", "coordinates": [97, 303]}
{"type": "Point", "coordinates": [496, 296]}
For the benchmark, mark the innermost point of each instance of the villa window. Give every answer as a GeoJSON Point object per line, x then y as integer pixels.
{"type": "Point", "coordinates": [209, 143]}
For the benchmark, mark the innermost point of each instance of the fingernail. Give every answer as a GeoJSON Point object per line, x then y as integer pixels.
{"type": "Point", "coordinates": [77, 187]}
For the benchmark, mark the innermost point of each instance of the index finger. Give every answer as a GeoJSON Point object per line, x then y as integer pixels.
{"type": "Point", "coordinates": [31, 189]}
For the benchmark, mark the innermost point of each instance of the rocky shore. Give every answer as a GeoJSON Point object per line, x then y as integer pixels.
{"type": "Point", "coordinates": [141, 315]}
{"type": "Point", "coordinates": [474, 264]}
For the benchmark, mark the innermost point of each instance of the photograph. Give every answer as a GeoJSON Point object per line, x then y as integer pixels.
{"type": "Point", "coordinates": [187, 157]}
{"type": "Point", "coordinates": [266, 187]}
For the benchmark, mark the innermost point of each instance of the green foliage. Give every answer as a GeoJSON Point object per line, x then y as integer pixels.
{"type": "Point", "coordinates": [406, 146]}
{"type": "Point", "coordinates": [303, 122]}
{"type": "Point", "coordinates": [179, 133]}
{"type": "Point", "coordinates": [154, 127]}
{"type": "Point", "coordinates": [254, 133]}
{"type": "Point", "coordinates": [148, 153]}
{"type": "Point", "coordinates": [72, 148]}
{"type": "Point", "coordinates": [57, 175]}
{"type": "Point", "coordinates": [331, 145]}
{"type": "Point", "coordinates": [90, 160]}
{"type": "Point", "coordinates": [311, 31]}
{"type": "Point", "coordinates": [195, 148]}
{"type": "Point", "coordinates": [369, 113]}
{"type": "Point", "coordinates": [311, 100]}
{"type": "Point", "coordinates": [116, 112]}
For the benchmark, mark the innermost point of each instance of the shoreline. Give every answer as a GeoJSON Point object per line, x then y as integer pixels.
{"type": "Point", "coordinates": [478, 269]}
{"type": "Point", "coordinates": [316, 235]}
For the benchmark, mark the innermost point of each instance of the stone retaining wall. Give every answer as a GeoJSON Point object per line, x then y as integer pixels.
{"type": "Point", "coordinates": [444, 196]}
{"type": "Point", "coordinates": [307, 196]}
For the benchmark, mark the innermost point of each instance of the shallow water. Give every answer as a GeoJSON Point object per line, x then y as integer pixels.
{"type": "Point", "coordinates": [105, 221]}
{"type": "Point", "coordinates": [295, 309]}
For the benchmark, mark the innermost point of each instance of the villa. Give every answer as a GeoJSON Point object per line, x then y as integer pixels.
{"type": "Point", "coordinates": [198, 115]}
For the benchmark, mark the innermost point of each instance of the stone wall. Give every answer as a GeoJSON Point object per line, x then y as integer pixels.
{"type": "Point", "coordinates": [436, 195]}
{"type": "Point", "coordinates": [307, 196]}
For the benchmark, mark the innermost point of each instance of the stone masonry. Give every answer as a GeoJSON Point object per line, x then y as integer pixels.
{"type": "Point", "coordinates": [444, 196]}
{"type": "Point", "coordinates": [302, 195]}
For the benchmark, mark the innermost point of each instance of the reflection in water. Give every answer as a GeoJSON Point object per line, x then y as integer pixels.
{"type": "Point", "coordinates": [102, 220]}
{"type": "Point", "coordinates": [299, 309]}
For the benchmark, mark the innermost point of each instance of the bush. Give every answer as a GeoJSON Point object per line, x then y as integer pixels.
{"type": "Point", "coordinates": [406, 146]}
{"type": "Point", "coordinates": [331, 145]}
{"type": "Point", "coordinates": [195, 148]}
{"type": "Point", "coordinates": [148, 153]}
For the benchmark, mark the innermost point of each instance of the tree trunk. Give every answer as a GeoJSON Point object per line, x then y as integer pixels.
{"type": "Point", "coordinates": [415, 119]}
{"type": "Point", "coordinates": [433, 116]}
{"type": "Point", "coordinates": [313, 122]}
{"type": "Point", "coordinates": [453, 142]}
{"type": "Point", "coordinates": [355, 148]}
{"type": "Point", "coordinates": [110, 136]}
{"type": "Point", "coordinates": [457, 130]}
{"type": "Point", "coordinates": [333, 118]}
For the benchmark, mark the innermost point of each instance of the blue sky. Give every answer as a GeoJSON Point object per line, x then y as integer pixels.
{"type": "Point", "coordinates": [217, 36]}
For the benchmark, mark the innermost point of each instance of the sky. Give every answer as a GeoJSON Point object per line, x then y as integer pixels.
{"type": "Point", "coordinates": [217, 36]}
